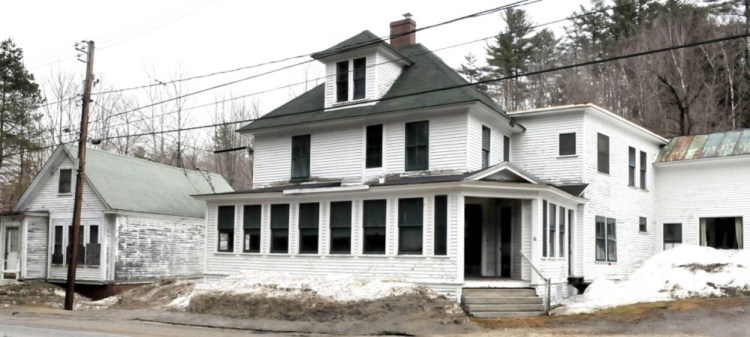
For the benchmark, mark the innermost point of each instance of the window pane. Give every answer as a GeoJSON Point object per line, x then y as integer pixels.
{"type": "Point", "coordinates": [279, 228]}
{"type": "Point", "coordinates": [57, 253]}
{"type": "Point", "coordinates": [441, 225]}
{"type": "Point", "coordinates": [308, 228]}
{"type": "Point", "coordinates": [410, 215]}
{"type": "Point", "coordinates": [603, 153]}
{"type": "Point", "coordinates": [643, 170]}
{"type": "Point", "coordinates": [252, 240]}
{"type": "Point", "coordinates": [341, 222]}
{"type": "Point", "coordinates": [486, 141]}
{"type": "Point", "coordinates": [552, 228]}
{"type": "Point", "coordinates": [65, 179]}
{"type": "Point", "coordinates": [342, 81]}
{"type": "Point", "coordinates": [567, 144]}
{"type": "Point", "coordinates": [301, 157]}
{"type": "Point", "coordinates": [226, 217]}
{"type": "Point", "coordinates": [374, 147]}
{"type": "Point", "coordinates": [360, 71]}
{"type": "Point", "coordinates": [611, 240]}
{"type": "Point", "coordinates": [251, 216]}
{"type": "Point", "coordinates": [544, 229]}
{"type": "Point", "coordinates": [631, 166]}
{"type": "Point", "coordinates": [374, 217]}
{"type": "Point", "coordinates": [642, 226]}
{"type": "Point", "coordinates": [417, 146]}
{"type": "Point", "coordinates": [506, 148]}
{"type": "Point", "coordinates": [600, 239]}
{"type": "Point", "coordinates": [562, 225]}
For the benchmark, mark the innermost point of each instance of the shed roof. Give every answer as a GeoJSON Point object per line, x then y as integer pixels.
{"type": "Point", "coordinates": [718, 144]}
{"type": "Point", "coordinates": [138, 185]}
{"type": "Point", "coordinates": [428, 82]}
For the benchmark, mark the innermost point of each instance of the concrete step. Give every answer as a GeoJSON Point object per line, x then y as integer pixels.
{"type": "Point", "coordinates": [476, 308]}
{"type": "Point", "coordinates": [499, 292]}
{"type": "Point", "coordinates": [506, 314]}
{"type": "Point", "coordinates": [501, 300]}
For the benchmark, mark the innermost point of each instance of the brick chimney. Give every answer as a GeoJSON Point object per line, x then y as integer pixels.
{"type": "Point", "coordinates": [399, 29]}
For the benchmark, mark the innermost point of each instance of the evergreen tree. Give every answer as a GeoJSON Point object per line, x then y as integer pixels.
{"type": "Point", "coordinates": [509, 56]}
{"type": "Point", "coordinates": [19, 132]}
{"type": "Point", "coordinates": [473, 72]}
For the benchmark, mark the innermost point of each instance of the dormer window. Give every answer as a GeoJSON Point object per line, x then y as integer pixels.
{"type": "Point", "coordinates": [358, 70]}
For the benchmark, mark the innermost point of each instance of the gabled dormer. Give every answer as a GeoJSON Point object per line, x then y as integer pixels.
{"type": "Point", "coordinates": [361, 69]}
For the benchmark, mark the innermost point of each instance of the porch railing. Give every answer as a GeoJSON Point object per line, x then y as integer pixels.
{"type": "Point", "coordinates": [547, 282]}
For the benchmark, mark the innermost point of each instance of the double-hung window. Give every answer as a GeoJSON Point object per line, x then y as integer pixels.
{"type": "Point", "coordinates": [308, 227]}
{"type": "Point", "coordinates": [65, 181]}
{"type": "Point", "coordinates": [631, 166]}
{"type": "Point", "coordinates": [552, 228]}
{"type": "Point", "coordinates": [417, 146]}
{"type": "Point", "coordinates": [563, 225]}
{"type": "Point", "coordinates": [545, 228]}
{"type": "Point", "coordinates": [486, 140]}
{"type": "Point", "coordinates": [225, 227]}
{"type": "Point", "coordinates": [506, 148]}
{"type": "Point", "coordinates": [643, 170]}
{"type": "Point", "coordinates": [358, 79]}
{"type": "Point", "coordinates": [410, 216]}
{"type": "Point", "coordinates": [373, 224]}
{"type": "Point", "coordinates": [81, 257]}
{"type": "Point", "coordinates": [672, 235]}
{"type": "Point", "coordinates": [341, 227]}
{"type": "Point", "coordinates": [441, 224]}
{"type": "Point", "coordinates": [279, 228]}
{"type": "Point", "coordinates": [602, 158]}
{"type": "Point", "coordinates": [642, 224]}
{"type": "Point", "coordinates": [57, 250]}
{"type": "Point", "coordinates": [301, 157]}
{"type": "Point", "coordinates": [93, 248]}
{"type": "Point", "coordinates": [567, 144]}
{"type": "Point", "coordinates": [251, 226]}
{"type": "Point", "coordinates": [374, 146]}
{"type": "Point", "coordinates": [606, 239]}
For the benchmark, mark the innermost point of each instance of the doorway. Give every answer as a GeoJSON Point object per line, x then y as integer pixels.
{"type": "Point", "coordinates": [11, 249]}
{"type": "Point", "coordinates": [488, 246]}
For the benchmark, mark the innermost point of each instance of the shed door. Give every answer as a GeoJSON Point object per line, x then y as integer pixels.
{"type": "Point", "coordinates": [11, 248]}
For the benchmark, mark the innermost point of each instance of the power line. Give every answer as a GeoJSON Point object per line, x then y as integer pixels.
{"type": "Point", "coordinates": [336, 51]}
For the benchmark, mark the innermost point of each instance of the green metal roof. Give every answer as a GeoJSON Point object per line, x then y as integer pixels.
{"type": "Point", "coordinates": [428, 74]}
{"type": "Point", "coordinates": [718, 144]}
{"type": "Point", "coordinates": [139, 185]}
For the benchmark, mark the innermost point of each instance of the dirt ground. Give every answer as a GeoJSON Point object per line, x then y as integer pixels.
{"type": "Point", "coordinates": [415, 314]}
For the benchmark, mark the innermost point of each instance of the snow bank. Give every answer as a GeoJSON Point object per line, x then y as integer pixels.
{"type": "Point", "coordinates": [684, 272]}
{"type": "Point", "coordinates": [336, 288]}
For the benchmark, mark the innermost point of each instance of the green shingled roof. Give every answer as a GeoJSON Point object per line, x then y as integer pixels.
{"type": "Point", "coordinates": [363, 39]}
{"type": "Point", "coordinates": [718, 144]}
{"type": "Point", "coordinates": [428, 72]}
{"type": "Point", "coordinates": [138, 185]}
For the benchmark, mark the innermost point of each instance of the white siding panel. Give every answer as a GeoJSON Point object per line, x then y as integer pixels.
{"type": "Point", "coordinates": [327, 154]}
{"type": "Point", "coordinates": [36, 248]}
{"type": "Point", "coordinates": [272, 160]}
{"type": "Point", "coordinates": [387, 72]}
{"type": "Point", "coordinates": [394, 155]}
{"type": "Point", "coordinates": [447, 142]}
{"type": "Point", "coordinates": [611, 197]}
{"type": "Point", "coordinates": [474, 138]}
{"type": "Point", "coordinates": [703, 189]}
{"type": "Point", "coordinates": [48, 198]}
{"type": "Point", "coordinates": [537, 150]}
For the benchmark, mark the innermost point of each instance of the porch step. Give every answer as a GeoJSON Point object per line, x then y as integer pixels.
{"type": "Point", "coordinates": [502, 302]}
{"type": "Point", "coordinates": [499, 292]}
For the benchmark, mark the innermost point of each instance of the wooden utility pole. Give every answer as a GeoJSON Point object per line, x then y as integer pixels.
{"type": "Point", "coordinates": [73, 258]}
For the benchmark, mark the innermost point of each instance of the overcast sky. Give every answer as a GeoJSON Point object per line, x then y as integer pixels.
{"type": "Point", "coordinates": [163, 38]}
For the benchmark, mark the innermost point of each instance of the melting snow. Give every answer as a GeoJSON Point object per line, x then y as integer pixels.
{"type": "Point", "coordinates": [337, 288]}
{"type": "Point", "coordinates": [684, 272]}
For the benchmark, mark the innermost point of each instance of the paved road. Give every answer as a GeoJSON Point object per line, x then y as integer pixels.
{"type": "Point", "coordinates": [13, 330]}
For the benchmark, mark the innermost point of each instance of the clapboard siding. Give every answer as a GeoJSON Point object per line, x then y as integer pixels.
{"type": "Point", "coordinates": [688, 191]}
{"type": "Point", "coordinates": [447, 142]}
{"type": "Point", "coordinates": [272, 159]}
{"type": "Point", "coordinates": [474, 139]}
{"type": "Point", "coordinates": [325, 161]}
{"type": "Point", "coordinates": [611, 197]}
{"type": "Point", "coordinates": [149, 247]}
{"type": "Point", "coordinates": [537, 150]}
{"type": "Point", "coordinates": [387, 72]}
{"type": "Point", "coordinates": [47, 198]}
{"type": "Point", "coordinates": [425, 268]}
{"type": "Point", "coordinates": [36, 248]}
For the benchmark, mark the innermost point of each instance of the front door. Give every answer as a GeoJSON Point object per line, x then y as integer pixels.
{"type": "Point", "coordinates": [11, 249]}
{"type": "Point", "coordinates": [472, 240]}
{"type": "Point", "coordinates": [505, 243]}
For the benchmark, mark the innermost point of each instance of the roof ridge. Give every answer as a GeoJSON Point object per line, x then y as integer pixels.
{"type": "Point", "coordinates": [147, 161]}
{"type": "Point", "coordinates": [711, 133]}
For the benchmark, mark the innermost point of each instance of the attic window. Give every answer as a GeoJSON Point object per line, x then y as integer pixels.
{"type": "Point", "coordinates": [65, 179]}
{"type": "Point", "coordinates": [358, 71]}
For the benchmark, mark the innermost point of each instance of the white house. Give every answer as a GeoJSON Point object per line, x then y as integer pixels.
{"type": "Point", "coordinates": [395, 167]}
{"type": "Point", "coordinates": [138, 221]}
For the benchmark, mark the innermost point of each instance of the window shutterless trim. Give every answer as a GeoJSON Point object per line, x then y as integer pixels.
{"type": "Point", "coordinates": [486, 141]}
{"type": "Point", "coordinates": [602, 157]}
{"type": "Point", "coordinates": [567, 144]}
{"type": "Point", "coordinates": [417, 146]}
{"type": "Point", "coordinates": [374, 146]}
{"type": "Point", "coordinates": [225, 228]}
{"type": "Point", "coordinates": [301, 157]}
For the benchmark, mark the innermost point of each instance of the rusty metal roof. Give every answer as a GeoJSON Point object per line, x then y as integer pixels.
{"type": "Point", "coordinates": [719, 144]}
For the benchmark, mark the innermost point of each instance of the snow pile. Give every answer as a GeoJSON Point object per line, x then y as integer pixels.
{"type": "Point", "coordinates": [684, 272]}
{"type": "Point", "coordinates": [337, 288]}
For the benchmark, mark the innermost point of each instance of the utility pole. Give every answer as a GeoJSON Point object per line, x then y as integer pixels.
{"type": "Point", "coordinates": [73, 258]}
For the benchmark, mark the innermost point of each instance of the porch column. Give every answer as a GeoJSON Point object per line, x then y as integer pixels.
{"type": "Point", "coordinates": [534, 250]}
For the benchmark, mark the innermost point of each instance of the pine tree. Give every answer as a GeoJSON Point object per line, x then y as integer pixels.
{"type": "Point", "coordinates": [19, 132]}
{"type": "Point", "coordinates": [509, 56]}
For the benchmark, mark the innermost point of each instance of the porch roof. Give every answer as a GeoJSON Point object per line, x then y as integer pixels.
{"type": "Point", "coordinates": [505, 172]}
